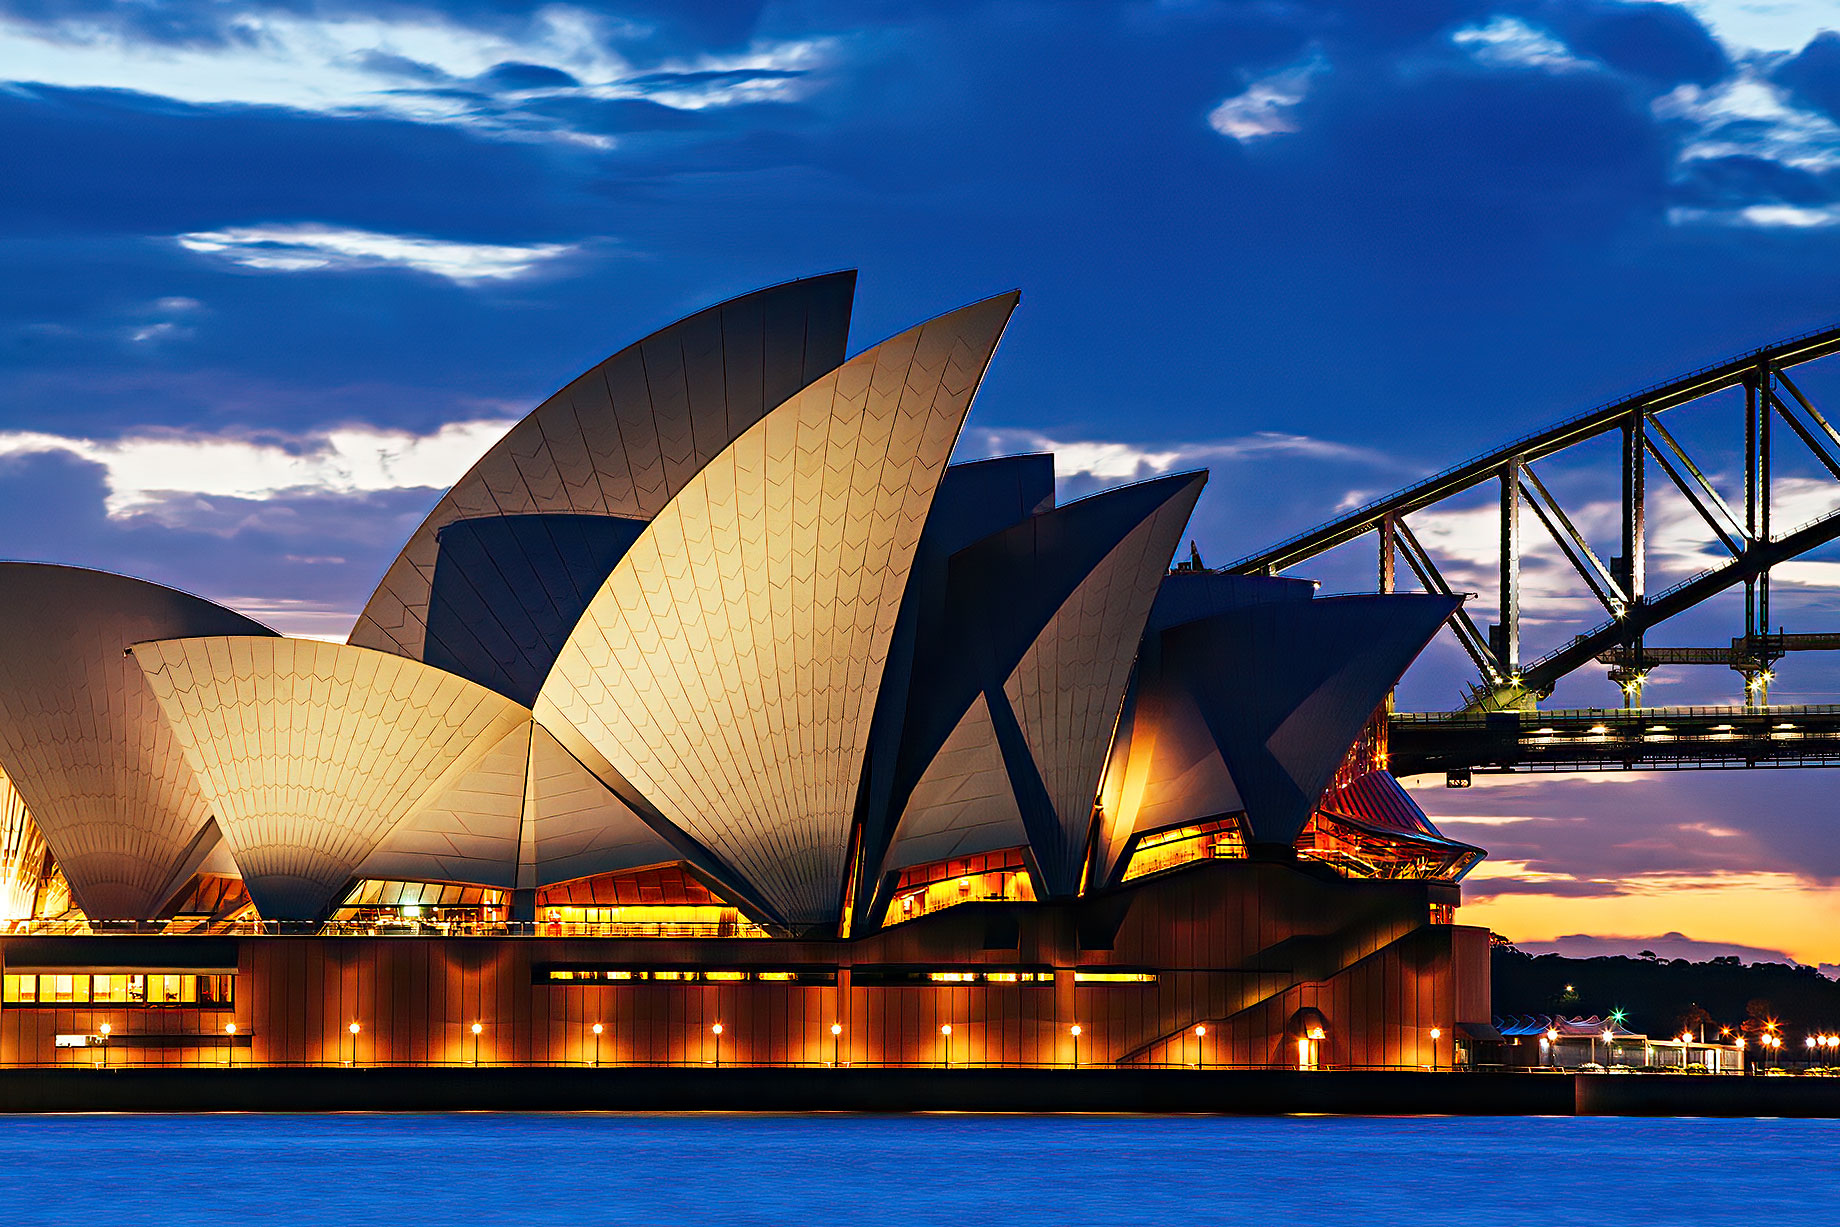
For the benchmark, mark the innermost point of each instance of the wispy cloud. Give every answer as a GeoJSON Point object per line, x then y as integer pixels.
{"type": "Point", "coordinates": [1509, 42]}
{"type": "Point", "coordinates": [419, 67]}
{"type": "Point", "coordinates": [1117, 461]}
{"type": "Point", "coordinates": [1265, 107]}
{"type": "Point", "coordinates": [162, 475]}
{"type": "Point", "coordinates": [1759, 216]}
{"type": "Point", "coordinates": [1747, 116]}
{"type": "Point", "coordinates": [306, 247]}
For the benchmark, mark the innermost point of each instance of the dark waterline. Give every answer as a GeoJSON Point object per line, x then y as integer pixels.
{"type": "Point", "coordinates": [916, 1171]}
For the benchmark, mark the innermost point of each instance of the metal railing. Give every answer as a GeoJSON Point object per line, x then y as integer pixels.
{"type": "Point", "coordinates": [87, 1060]}
{"type": "Point", "coordinates": [408, 928]}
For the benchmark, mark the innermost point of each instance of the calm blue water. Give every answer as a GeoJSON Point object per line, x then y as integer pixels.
{"type": "Point", "coordinates": [673, 1171]}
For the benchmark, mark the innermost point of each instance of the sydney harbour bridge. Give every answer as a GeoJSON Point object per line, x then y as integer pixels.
{"type": "Point", "coordinates": [1503, 726]}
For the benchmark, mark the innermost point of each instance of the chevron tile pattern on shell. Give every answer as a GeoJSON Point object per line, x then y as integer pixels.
{"type": "Point", "coordinates": [729, 666]}
{"type": "Point", "coordinates": [309, 752]}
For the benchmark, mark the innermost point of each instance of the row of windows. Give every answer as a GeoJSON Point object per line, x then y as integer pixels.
{"type": "Point", "coordinates": [152, 989]}
{"type": "Point", "coordinates": [607, 975]}
{"type": "Point", "coordinates": [864, 976]}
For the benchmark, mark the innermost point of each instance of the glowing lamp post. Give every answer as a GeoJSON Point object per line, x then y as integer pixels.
{"type": "Point", "coordinates": [1686, 1037]}
{"type": "Point", "coordinates": [477, 1028]}
{"type": "Point", "coordinates": [230, 1046]}
{"type": "Point", "coordinates": [717, 1032]}
{"type": "Point", "coordinates": [1608, 1036]}
{"type": "Point", "coordinates": [836, 1045]}
{"type": "Point", "coordinates": [1200, 1052]}
{"type": "Point", "coordinates": [1437, 1033]}
{"type": "Point", "coordinates": [353, 1028]}
{"type": "Point", "coordinates": [105, 1029]}
{"type": "Point", "coordinates": [946, 1031]}
{"type": "Point", "coordinates": [1075, 1032]}
{"type": "Point", "coordinates": [597, 1044]}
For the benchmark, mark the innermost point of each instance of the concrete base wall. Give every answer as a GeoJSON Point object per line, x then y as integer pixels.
{"type": "Point", "coordinates": [1246, 1092]}
{"type": "Point", "coordinates": [1237, 948]}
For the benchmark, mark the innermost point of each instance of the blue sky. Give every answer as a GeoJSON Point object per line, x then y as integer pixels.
{"type": "Point", "coordinates": [271, 275]}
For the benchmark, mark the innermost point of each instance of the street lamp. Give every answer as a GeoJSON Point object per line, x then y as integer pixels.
{"type": "Point", "coordinates": [230, 1048]}
{"type": "Point", "coordinates": [477, 1028]}
{"type": "Point", "coordinates": [597, 1044]}
{"type": "Point", "coordinates": [717, 1032]}
{"type": "Point", "coordinates": [1552, 1042]}
{"type": "Point", "coordinates": [1200, 1052]}
{"type": "Point", "coordinates": [353, 1028]}
{"type": "Point", "coordinates": [1608, 1036]}
{"type": "Point", "coordinates": [1437, 1033]}
{"type": "Point", "coordinates": [836, 1045]}
{"type": "Point", "coordinates": [1075, 1030]}
{"type": "Point", "coordinates": [946, 1031]}
{"type": "Point", "coordinates": [105, 1029]}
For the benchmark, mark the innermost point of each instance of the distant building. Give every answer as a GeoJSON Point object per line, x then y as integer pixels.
{"type": "Point", "coordinates": [714, 715]}
{"type": "Point", "coordinates": [1557, 1042]}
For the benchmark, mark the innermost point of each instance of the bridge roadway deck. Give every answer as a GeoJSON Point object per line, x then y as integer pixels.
{"type": "Point", "coordinates": [1592, 739]}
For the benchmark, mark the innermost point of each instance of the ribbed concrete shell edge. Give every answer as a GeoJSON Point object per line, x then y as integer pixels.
{"type": "Point", "coordinates": [625, 437]}
{"type": "Point", "coordinates": [82, 736]}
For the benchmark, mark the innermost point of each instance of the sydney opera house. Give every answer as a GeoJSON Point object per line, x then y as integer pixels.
{"type": "Point", "coordinates": [715, 717]}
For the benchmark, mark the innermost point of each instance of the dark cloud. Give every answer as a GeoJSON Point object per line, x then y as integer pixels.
{"type": "Point", "coordinates": [1664, 43]}
{"type": "Point", "coordinates": [1558, 888]}
{"type": "Point", "coordinates": [1745, 180]}
{"type": "Point", "coordinates": [1814, 73]}
{"type": "Point", "coordinates": [515, 76]}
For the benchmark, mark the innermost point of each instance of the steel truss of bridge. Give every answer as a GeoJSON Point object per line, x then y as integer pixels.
{"type": "Point", "coordinates": [1741, 530]}
{"type": "Point", "coordinates": [1458, 744]}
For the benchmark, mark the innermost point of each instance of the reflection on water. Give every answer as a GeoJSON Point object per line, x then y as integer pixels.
{"type": "Point", "coordinates": [912, 1170]}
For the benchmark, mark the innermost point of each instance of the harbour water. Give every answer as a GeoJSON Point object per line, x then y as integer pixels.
{"type": "Point", "coordinates": [913, 1170]}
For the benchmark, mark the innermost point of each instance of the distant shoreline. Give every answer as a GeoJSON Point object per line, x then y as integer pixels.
{"type": "Point", "coordinates": [629, 1089]}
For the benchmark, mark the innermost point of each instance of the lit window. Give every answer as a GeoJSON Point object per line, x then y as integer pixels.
{"type": "Point", "coordinates": [1114, 977]}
